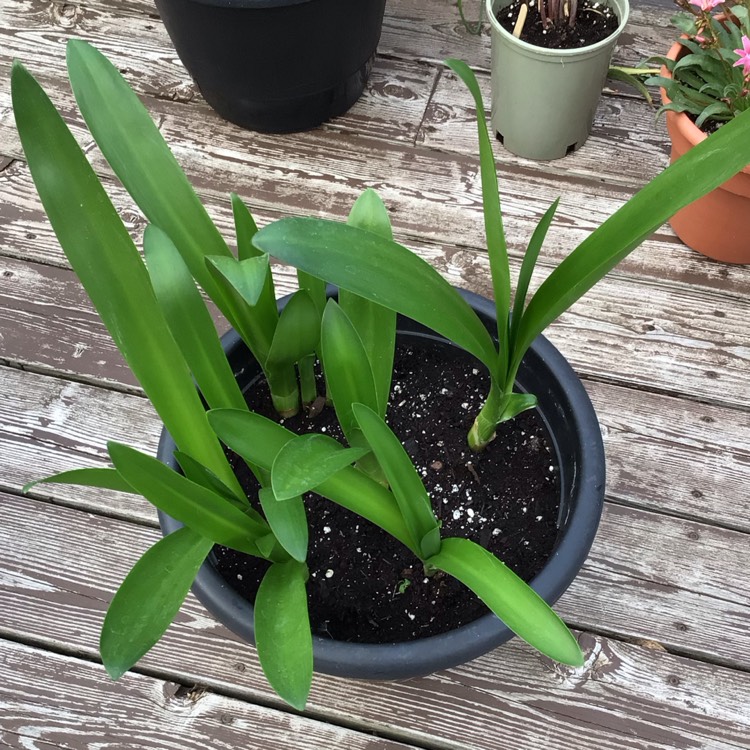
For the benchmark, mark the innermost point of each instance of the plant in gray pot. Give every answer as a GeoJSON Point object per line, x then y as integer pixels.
{"type": "Point", "coordinates": [544, 98]}
{"type": "Point", "coordinates": [272, 504]}
{"type": "Point", "coordinates": [276, 65]}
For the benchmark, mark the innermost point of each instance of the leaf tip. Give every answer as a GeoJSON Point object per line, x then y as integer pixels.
{"type": "Point", "coordinates": [29, 485]}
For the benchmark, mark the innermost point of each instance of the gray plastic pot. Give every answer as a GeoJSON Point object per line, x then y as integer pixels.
{"type": "Point", "coordinates": [543, 100]}
{"type": "Point", "coordinates": [574, 430]}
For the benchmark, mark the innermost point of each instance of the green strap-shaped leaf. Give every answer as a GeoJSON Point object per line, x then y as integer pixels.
{"type": "Point", "coordinates": [247, 277]}
{"type": "Point", "coordinates": [703, 168]}
{"type": "Point", "coordinates": [411, 496]}
{"type": "Point", "coordinates": [375, 324]}
{"type": "Point", "coordinates": [633, 79]}
{"type": "Point", "coordinates": [512, 600]}
{"type": "Point", "coordinates": [244, 228]}
{"type": "Point", "coordinates": [308, 383]}
{"type": "Point", "coordinates": [315, 287]}
{"type": "Point", "coordinates": [347, 367]}
{"type": "Point", "coordinates": [106, 479]}
{"type": "Point", "coordinates": [207, 513]}
{"type": "Point", "coordinates": [190, 322]}
{"type": "Point", "coordinates": [137, 152]}
{"type": "Point", "coordinates": [282, 632]}
{"type": "Point", "coordinates": [379, 270]}
{"type": "Point", "coordinates": [102, 254]}
{"type": "Point", "coordinates": [288, 521]}
{"type": "Point", "coordinates": [515, 403]}
{"type": "Point", "coordinates": [307, 461]}
{"type": "Point", "coordinates": [198, 473]}
{"type": "Point", "coordinates": [247, 283]}
{"type": "Point", "coordinates": [497, 248]}
{"type": "Point", "coordinates": [149, 598]}
{"type": "Point", "coordinates": [524, 278]}
{"type": "Point", "coordinates": [298, 331]}
{"type": "Point", "coordinates": [140, 157]}
{"type": "Point", "coordinates": [259, 440]}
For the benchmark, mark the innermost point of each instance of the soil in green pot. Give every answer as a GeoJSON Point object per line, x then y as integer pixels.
{"type": "Point", "coordinates": [595, 22]}
{"type": "Point", "coordinates": [366, 587]}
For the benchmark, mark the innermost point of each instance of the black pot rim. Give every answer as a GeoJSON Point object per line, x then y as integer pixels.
{"type": "Point", "coordinates": [427, 655]}
{"type": "Point", "coordinates": [250, 4]}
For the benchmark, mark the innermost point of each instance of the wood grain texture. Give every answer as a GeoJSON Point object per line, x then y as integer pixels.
{"type": "Point", "coordinates": [690, 599]}
{"type": "Point", "coordinates": [52, 425]}
{"type": "Point", "coordinates": [625, 133]}
{"type": "Point", "coordinates": [434, 196]}
{"type": "Point", "coordinates": [48, 425]}
{"type": "Point", "coordinates": [626, 696]}
{"type": "Point", "coordinates": [675, 339]}
{"type": "Point", "coordinates": [38, 709]}
{"type": "Point", "coordinates": [661, 344]}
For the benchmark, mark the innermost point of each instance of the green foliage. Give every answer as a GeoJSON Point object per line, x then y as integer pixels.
{"type": "Point", "coordinates": [259, 440]}
{"type": "Point", "coordinates": [149, 598]}
{"type": "Point", "coordinates": [512, 600]}
{"type": "Point", "coordinates": [305, 462]}
{"type": "Point", "coordinates": [406, 485]}
{"type": "Point", "coordinates": [160, 322]}
{"type": "Point", "coordinates": [374, 323]}
{"type": "Point", "coordinates": [288, 521]}
{"type": "Point", "coordinates": [189, 321]}
{"type": "Point", "coordinates": [282, 632]}
{"type": "Point", "coordinates": [98, 247]}
{"type": "Point", "coordinates": [347, 367]}
{"type": "Point", "coordinates": [298, 332]}
{"type": "Point", "coordinates": [206, 512]}
{"type": "Point", "coordinates": [137, 152]}
{"type": "Point", "coordinates": [705, 82]}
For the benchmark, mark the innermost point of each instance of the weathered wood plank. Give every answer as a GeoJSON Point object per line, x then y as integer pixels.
{"type": "Point", "coordinates": [675, 456]}
{"type": "Point", "coordinates": [60, 701]}
{"type": "Point", "coordinates": [663, 454]}
{"type": "Point", "coordinates": [50, 425]}
{"type": "Point", "coordinates": [626, 141]}
{"type": "Point", "coordinates": [435, 196]}
{"type": "Point", "coordinates": [62, 566]}
{"type": "Point", "coordinates": [675, 339]}
{"type": "Point", "coordinates": [35, 32]}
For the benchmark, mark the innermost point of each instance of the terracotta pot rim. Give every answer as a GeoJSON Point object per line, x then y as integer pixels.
{"type": "Point", "coordinates": [688, 128]}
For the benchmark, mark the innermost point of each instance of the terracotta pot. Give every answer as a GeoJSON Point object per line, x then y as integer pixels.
{"type": "Point", "coordinates": [717, 225]}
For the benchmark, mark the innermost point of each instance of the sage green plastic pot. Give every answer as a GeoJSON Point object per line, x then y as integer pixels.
{"type": "Point", "coordinates": [543, 100]}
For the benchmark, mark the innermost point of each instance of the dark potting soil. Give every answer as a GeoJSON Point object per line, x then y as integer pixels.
{"type": "Point", "coordinates": [364, 586]}
{"type": "Point", "coordinates": [595, 21]}
{"type": "Point", "coordinates": [708, 127]}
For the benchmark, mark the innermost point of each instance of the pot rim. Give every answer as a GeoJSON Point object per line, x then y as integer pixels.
{"type": "Point", "coordinates": [430, 654]}
{"type": "Point", "coordinates": [621, 7]}
{"type": "Point", "coordinates": [250, 4]}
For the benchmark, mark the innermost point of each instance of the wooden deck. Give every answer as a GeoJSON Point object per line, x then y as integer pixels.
{"type": "Point", "coordinates": [663, 603]}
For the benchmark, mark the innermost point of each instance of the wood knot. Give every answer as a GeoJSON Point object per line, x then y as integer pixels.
{"type": "Point", "coordinates": [182, 696]}
{"type": "Point", "coordinates": [66, 15]}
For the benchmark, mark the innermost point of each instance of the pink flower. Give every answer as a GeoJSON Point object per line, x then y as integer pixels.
{"type": "Point", "coordinates": [706, 5]}
{"type": "Point", "coordinates": [744, 54]}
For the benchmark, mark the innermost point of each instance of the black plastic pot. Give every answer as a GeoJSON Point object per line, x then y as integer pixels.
{"type": "Point", "coordinates": [574, 430]}
{"type": "Point", "coordinates": [276, 65]}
